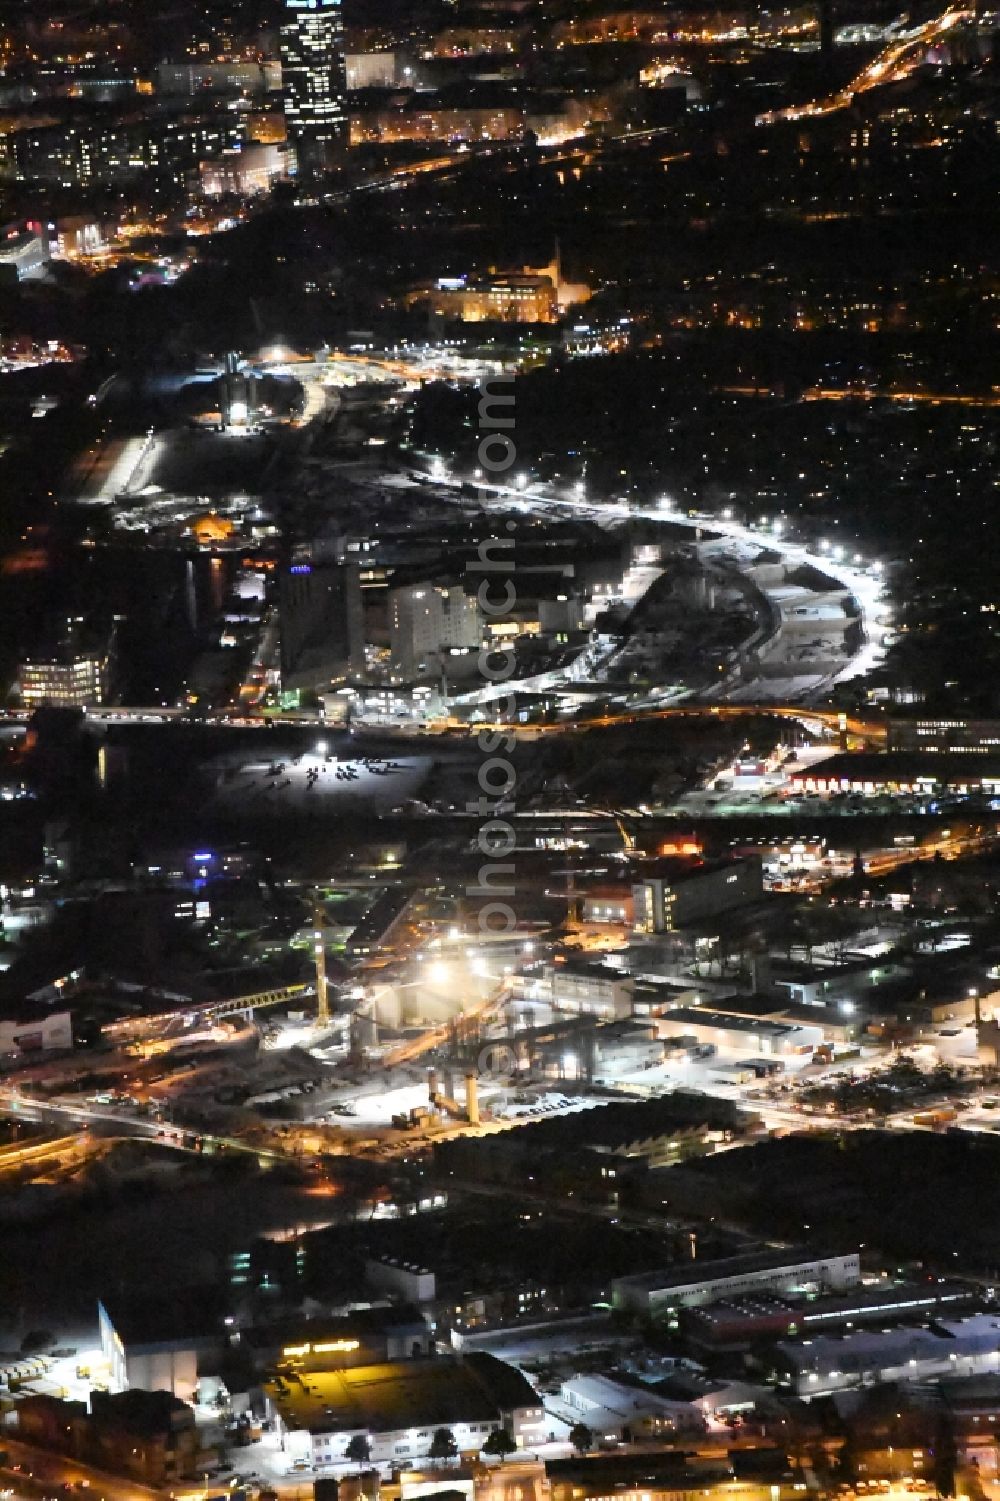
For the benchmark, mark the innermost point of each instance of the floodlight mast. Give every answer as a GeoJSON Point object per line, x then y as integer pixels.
{"type": "Point", "coordinates": [319, 958]}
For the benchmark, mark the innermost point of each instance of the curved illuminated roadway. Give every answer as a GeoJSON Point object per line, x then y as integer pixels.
{"type": "Point", "coordinates": [862, 581]}
{"type": "Point", "coordinates": [897, 61]}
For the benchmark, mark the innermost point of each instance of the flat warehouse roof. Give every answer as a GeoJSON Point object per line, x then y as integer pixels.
{"type": "Point", "coordinates": [726, 1021]}
{"type": "Point", "coordinates": [729, 1266]}
{"type": "Point", "coordinates": [401, 1394]}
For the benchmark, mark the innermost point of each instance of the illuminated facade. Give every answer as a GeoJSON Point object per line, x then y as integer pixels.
{"type": "Point", "coordinates": [372, 70]}
{"type": "Point", "coordinates": [69, 681]}
{"type": "Point", "coordinates": [314, 79]}
{"type": "Point", "coordinates": [420, 116]}
{"type": "Point", "coordinates": [253, 169]}
{"type": "Point", "coordinates": [428, 622]}
{"type": "Point", "coordinates": [501, 299]}
{"type": "Point", "coordinates": [23, 254]}
{"type": "Point", "coordinates": [102, 151]}
{"type": "Point", "coordinates": [664, 902]}
{"type": "Point", "coordinates": [422, 123]}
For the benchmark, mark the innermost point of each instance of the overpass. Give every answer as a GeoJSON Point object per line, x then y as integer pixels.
{"type": "Point", "coordinates": [135, 1028]}
{"type": "Point", "coordinates": [41, 1156]}
{"type": "Point", "coordinates": [256, 1001]}
{"type": "Point", "coordinates": [872, 729]}
{"type": "Point", "coordinates": [896, 62]}
{"type": "Point", "coordinates": [95, 1127]}
{"type": "Point", "coordinates": [816, 721]}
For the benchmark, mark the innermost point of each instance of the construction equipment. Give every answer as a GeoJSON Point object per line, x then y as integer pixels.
{"type": "Point", "coordinates": [469, 1111]}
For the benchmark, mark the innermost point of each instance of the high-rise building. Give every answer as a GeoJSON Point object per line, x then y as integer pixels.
{"type": "Point", "coordinates": [826, 27]}
{"type": "Point", "coordinates": [684, 893]}
{"type": "Point", "coordinates": [322, 625]}
{"type": "Point", "coordinates": [314, 80]}
{"type": "Point", "coordinates": [426, 623]}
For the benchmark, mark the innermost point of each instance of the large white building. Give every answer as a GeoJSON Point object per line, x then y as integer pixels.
{"type": "Point", "coordinates": [868, 1357]}
{"type": "Point", "coordinates": [24, 253]}
{"type": "Point", "coordinates": [580, 987]}
{"type": "Point", "coordinates": [31, 1029]}
{"type": "Point", "coordinates": [158, 1347]}
{"type": "Point", "coordinates": [656, 1294]}
{"type": "Point", "coordinates": [246, 170]}
{"type": "Point", "coordinates": [427, 623]}
{"type": "Point", "coordinates": [401, 1279]}
{"type": "Point", "coordinates": [615, 1410]}
{"type": "Point", "coordinates": [747, 1034]}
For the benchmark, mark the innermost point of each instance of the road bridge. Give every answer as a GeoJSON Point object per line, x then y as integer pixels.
{"type": "Point", "coordinates": [896, 62]}
{"type": "Point", "coordinates": [872, 729]}
{"type": "Point", "coordinates": [43, 1155]}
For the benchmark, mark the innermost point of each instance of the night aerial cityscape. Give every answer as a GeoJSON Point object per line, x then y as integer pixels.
{"type": "Point", "coordinates": [499, 750]}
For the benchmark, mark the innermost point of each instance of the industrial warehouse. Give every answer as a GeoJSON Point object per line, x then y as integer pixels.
{"type": "Point", "coordinates": [398, 1406]}
{"type": "Point", "coordinates": [913, 772]}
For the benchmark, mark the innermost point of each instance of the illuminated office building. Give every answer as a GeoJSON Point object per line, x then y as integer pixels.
{"type": "Point", "coordinates": [66, 680]}
{"type": "Point", "coordinates": [314, 80]}
{"type": "Point", "coordinates": [68, 673]}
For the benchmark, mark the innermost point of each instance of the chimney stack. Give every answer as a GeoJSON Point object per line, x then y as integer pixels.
{"type": "Point", "coordinates": [472, 1099]}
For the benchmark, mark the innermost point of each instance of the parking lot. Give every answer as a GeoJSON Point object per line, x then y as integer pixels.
{"type": "Point", "coordinates": [304, 781]}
